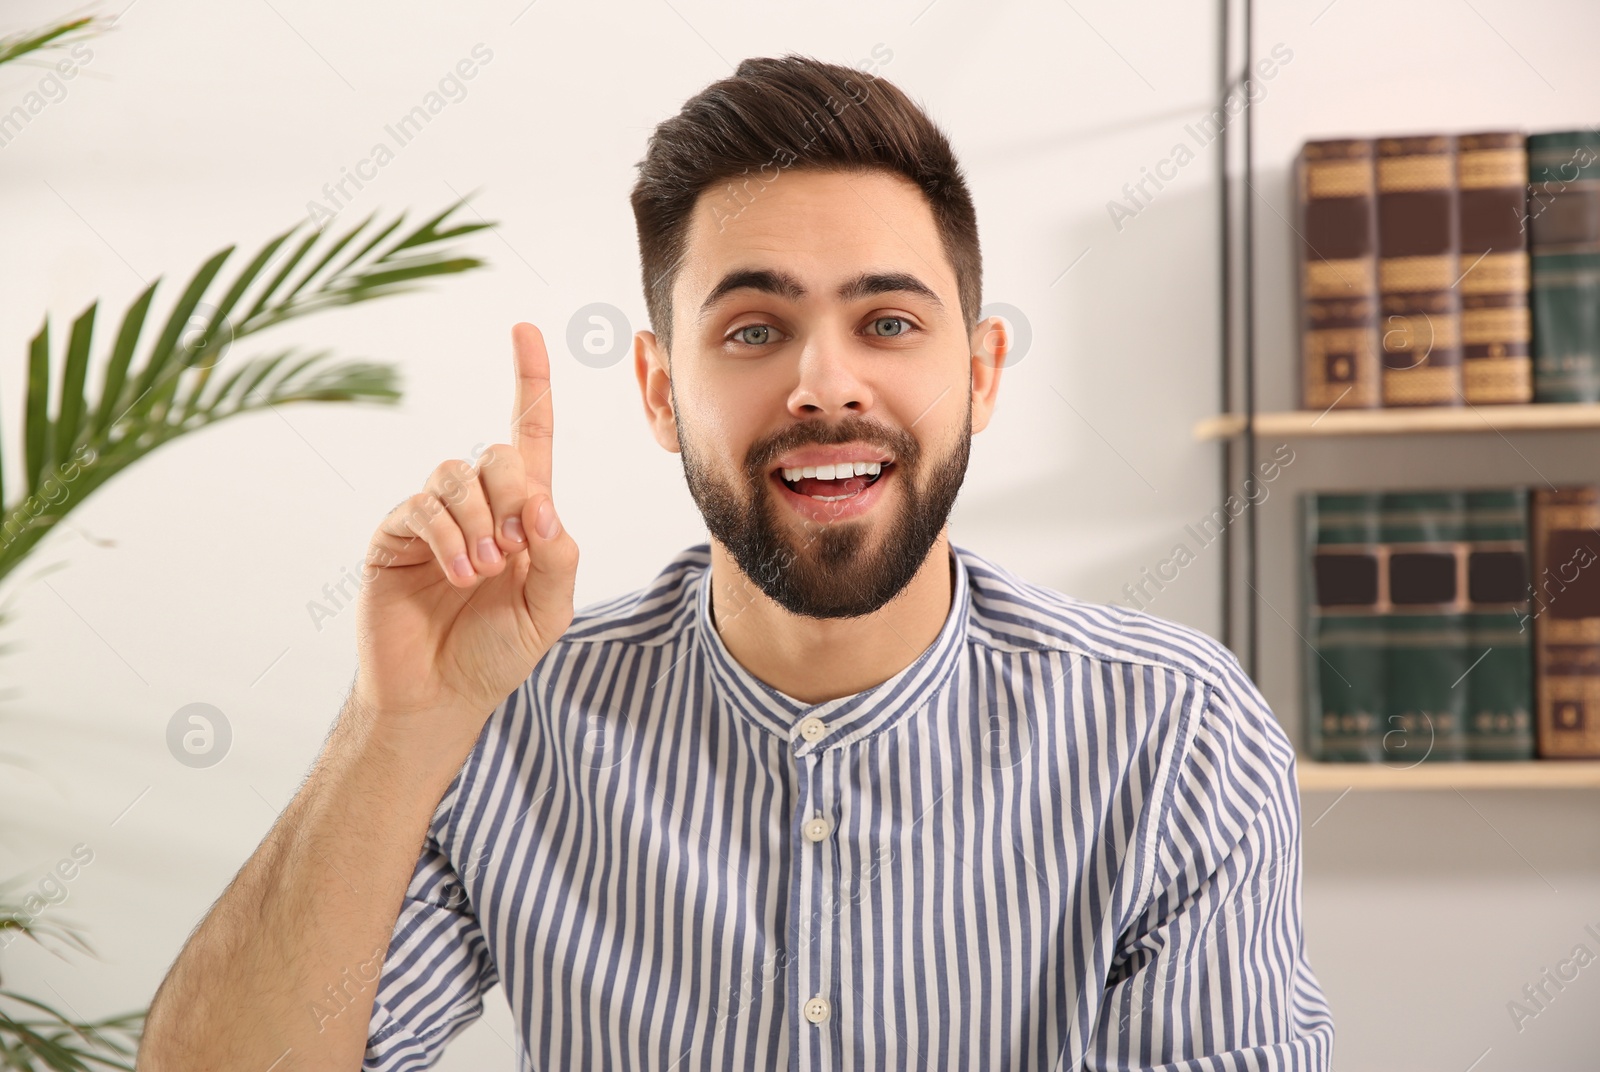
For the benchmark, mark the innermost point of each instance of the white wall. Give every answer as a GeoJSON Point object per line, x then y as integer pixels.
{"type": "Point", "coordinates": [197, 125]}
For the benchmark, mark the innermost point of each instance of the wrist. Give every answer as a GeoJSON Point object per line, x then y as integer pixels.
{"type": "Point", "coordinates": [425, 747]}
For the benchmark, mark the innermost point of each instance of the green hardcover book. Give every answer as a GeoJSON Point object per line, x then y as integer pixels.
{"type": "Point", "coordinates": [1564, 214]}
{"type": "Point", "coordinates": [1425, 630]}
{"type": "Point", "coordinates": [1344, 675]}
{"type": "Point", "coordinates": [1499, 682]}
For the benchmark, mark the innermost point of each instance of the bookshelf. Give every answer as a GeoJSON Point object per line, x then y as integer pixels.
{"type": "Point", "coordinates": [1239, 422]}
{"type": "Point", "coordinates": [1300, 424]}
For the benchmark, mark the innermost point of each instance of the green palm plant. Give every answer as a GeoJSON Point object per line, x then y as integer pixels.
{"type": "Point", "coordinates": [72, 450]}
{"type": "Point", "coordinates": [56, 35]}
{"type": "Point", "coordinates": [156, 385]}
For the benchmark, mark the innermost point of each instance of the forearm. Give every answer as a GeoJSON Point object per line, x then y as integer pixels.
{"type": "Point", "coordinates": [285, 965]}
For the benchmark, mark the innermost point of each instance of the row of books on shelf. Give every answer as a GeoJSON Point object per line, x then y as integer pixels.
{"type": "Point", "coordinates": [1449, 269]}
{"type": "Point", "coordinates": [1453, 625]}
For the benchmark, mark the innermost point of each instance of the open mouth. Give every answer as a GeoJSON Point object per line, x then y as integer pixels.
{"type": "Point", "coordinates": [833, 483]}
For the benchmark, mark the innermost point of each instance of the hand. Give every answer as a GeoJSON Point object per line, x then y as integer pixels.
{"type": "Point", "coordinates": [468, 582]}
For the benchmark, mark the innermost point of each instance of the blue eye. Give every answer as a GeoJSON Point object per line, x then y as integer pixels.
{"type": "Point", "coordinates": [900, 326]}
{"type": "Point", "coordinates": [764, 331]}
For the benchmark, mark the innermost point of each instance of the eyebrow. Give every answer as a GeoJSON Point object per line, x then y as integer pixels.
{"type": "Point", "coordinates": [784, 285]}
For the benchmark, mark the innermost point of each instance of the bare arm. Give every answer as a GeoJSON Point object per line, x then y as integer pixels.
{"type": "Point", "coordinates": [441, 647]}
{"type": "Point", "coordinates": [314, 907]}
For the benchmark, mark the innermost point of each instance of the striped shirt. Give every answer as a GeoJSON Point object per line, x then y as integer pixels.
{"type": "Point", "coordinates": [1066, 836]}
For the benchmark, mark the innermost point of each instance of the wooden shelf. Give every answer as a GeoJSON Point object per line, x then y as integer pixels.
{"type": "Point", "coordinates": [1542, 417]}
{"type": "Point", "coordinates": [1538, 774]}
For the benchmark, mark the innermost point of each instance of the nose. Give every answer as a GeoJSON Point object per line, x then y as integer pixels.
{"type": "Point", "coordinates": [829, 380]}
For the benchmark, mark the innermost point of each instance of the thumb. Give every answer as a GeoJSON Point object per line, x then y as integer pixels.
{"type": "Point", "coordinates": [552, 570]}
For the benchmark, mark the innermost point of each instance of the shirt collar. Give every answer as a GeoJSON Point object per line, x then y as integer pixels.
{"type": "Point", "coordinates": [847, 719]}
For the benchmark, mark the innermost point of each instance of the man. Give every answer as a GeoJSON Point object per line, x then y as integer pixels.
{"type": "Point", "coordinates": [829, 793]}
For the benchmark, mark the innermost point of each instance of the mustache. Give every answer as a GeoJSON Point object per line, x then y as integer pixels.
{"type": "Point", "coordinates": [898, 442]}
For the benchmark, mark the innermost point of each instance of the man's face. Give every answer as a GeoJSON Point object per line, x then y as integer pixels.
{"type": "Point", "coordinates": [821, 384]}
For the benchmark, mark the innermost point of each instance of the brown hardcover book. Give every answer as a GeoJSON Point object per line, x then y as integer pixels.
{"type": "Point", "coordinates": [1338, 275]}
{"type": "Point", "coordinates": [1418, 265]}
{"type": "Point", "coordinates": [1565, 607]}
{"type": "Point", "coordinates": [1496, 365]}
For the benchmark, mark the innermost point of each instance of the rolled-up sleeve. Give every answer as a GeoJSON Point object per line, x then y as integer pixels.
{"type": "Point", "coordinates": [438, 965]}
{"type": "Point", "coordinates": [1213, 972]}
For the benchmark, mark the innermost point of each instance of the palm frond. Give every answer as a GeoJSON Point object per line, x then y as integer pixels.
{"type": "Point", "coordinates": [62, 1044]}
{"type": "Point", "coordinates": [72, 448]}
{"type": "Point", "coordinates": [56, 35]}
{"type": "Point", "coordinates": [15, 921]}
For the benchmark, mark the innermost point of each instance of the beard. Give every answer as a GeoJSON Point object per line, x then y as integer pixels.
{"type": "Point", "coordinates": [830, 569]}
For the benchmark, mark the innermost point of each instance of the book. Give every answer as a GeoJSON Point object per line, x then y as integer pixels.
{"type": "Point", "coordinates": [1563, 212]}
{"type": "Point", "coordinates": [1565, 607]}
{"type": "Point", "coordinates": [1499, 678]}
{"type": "Point", "coordinates": [1425, 628]}
{"type": "Point", "coordinates": [1496, 359]}
{"type": "Point", "coordinates": [1419, 626]}
{"type": "Point", "coordinates": [1344, 596]}
{"type": "Point", "coordinates": [1338, 226]}
{"type": "Point", "coordinates": [1418, 267]}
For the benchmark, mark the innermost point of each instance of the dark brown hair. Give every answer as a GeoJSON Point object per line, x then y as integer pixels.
{"type": "Point", "coordinates": [775, 115]}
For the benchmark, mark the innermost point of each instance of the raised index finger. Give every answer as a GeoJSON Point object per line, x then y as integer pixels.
{"type": "Point", "coordinates": [533, 417]}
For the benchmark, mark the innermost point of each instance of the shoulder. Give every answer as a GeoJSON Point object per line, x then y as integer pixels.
{"type": "Point", "coordinates": [654, 614]}
{"type": "Point", "coordinates": [1012, 614]}
{"type": "Point", "coordinates": [1228, 743]}
{"type": "Point", "coordinates": [599, 637]}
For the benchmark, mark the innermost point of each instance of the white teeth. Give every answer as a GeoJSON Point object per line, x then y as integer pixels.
{"type": "Point", "coordinates": [838, 471]}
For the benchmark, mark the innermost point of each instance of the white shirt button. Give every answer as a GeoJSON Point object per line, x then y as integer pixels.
{"type": "Point", "coordinates": [817, 1009]}
{"type": "Point", "coordinates": [815, 829]}
{"type": "Point", "coordinates": [813, 728]}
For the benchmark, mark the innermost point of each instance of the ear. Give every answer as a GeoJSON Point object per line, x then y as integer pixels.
{"type": "Point", "coordinates": [991, 341]}
{"type": "Point", "coordinates": [651, 369]}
